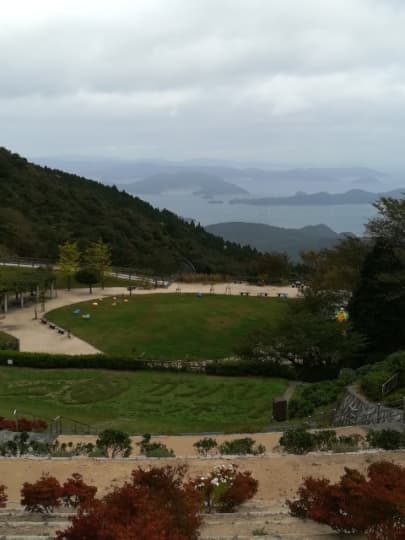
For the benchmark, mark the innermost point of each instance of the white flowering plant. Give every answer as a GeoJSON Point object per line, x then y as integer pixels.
{"type": "Point", "coordinates": [225, 488]}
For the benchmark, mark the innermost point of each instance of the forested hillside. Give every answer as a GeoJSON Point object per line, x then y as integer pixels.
{"type": "Point", "coordinates": [42, 207]}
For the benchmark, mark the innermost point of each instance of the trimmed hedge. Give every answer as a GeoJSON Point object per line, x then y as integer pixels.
{"type": "Point", "coordinates": [8, 342]}
{"type": "Point", "coordinates": [127, 363]}
{"type": "Point", "coordinates": [66, 361]}
{"type": "Point", "coordinates": [237, 368]}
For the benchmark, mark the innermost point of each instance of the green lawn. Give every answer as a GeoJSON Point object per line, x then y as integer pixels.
{"type": "Point", "coordinates": [170, 326]}
{"type": "Point", "coordinates": [141, 402]}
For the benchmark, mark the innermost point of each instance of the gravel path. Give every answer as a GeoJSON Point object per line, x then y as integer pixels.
{"type": "Point", "coordinates": [37, 337]}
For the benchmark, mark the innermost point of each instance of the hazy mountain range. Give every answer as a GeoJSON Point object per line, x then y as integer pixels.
{"type": "Point", "coordinates": [269, 238]}
{"type": "Point", "coordinates": [255, 178]}
{"type": "Point", "coordinates": [354, 196]}
{"type": "Point", "coordinates": [199, 183]}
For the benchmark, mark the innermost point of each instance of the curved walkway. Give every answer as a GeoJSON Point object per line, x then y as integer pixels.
{"type": "Point", "coordinates": [37, 337]}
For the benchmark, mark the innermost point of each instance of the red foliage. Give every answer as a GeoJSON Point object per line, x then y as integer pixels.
{"type": "Point", "coordinates": [375, 504]}
{"type": "Point", "coordinates": [41, 496]}
{"type": "Point", "coordinates": [155, 505]}
{"type": "Point", "coordinates": [3, 496]}
{"type": "Point", "coordinates": [22, 424]}
{"type": "Point", "coordinates": [75, 492]}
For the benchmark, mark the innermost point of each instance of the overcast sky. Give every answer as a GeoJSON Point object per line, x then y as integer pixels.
{"type": "Point", "coordinates": [289, 81]}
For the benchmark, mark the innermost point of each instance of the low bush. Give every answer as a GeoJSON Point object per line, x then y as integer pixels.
{"type": "Point", "coordinates": [300, 441]}
{"type": "Point", "coordinates": [205, 446]}
{"type": "Point", "coordinates": [8, 342]}
{"type": "Point", "coordinates": [297, 441]}
{"type": "Point", "coordinates": [241, 447]}
{"type": "Point", "coordinates": [41, 496]}
{"type": "Point", "coordinates": [225, 488]}
{"type": "Point", "coordinates": [347, 443]}
{"type": "Point", "coordinates": [357, 504]}
{"type": "Point", "coordinates": [3, 496]}
{"type": "Point", "coordinates": [388, 439]}
{"type": "Point", "coordinates": [315, 395]}
{"type": "Point", "coordinates": [156, 504]}
{"type": "Point", "coordinates": [75, 492]}
{"type": "Point", "coordinates": [113, 443]}
{"type": "Point", "coordinates": [153, 449]}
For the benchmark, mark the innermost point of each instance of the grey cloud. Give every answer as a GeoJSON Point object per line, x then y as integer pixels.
{"type": "Point", "coordinates": [258, 79]}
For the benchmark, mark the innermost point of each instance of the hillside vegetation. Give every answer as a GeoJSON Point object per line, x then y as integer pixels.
{"type": "Point", "coordinates": [41, 208]}
{"type": "Point", "coordinates": [277, 239]}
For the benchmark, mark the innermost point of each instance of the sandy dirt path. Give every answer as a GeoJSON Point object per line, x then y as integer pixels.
{"type": "Point", "coordinates": [279, 475]}
{"type": "Point", "coordinates": [37, 337]}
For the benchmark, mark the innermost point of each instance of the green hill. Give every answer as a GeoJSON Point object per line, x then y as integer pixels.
{"type": "Point", "coordinates": [269, 238]}
{"type": "Point", "coordinates": [42, 207]}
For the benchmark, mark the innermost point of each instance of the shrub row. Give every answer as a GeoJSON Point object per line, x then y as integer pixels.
{"type": "Point", "coordinates": [237, 368]}
{"type": "Point", "coordinates": [22, 424]}
{"type": "Point", "coordinates": [388, 439]}
{"type": "Point", "coordinates": [301, 441]}
{"type": "Point", "coordinates": [126, 363]}
{"type": "Point", "coordinates": [63, 361]}
{"type": "Point", "coordinates": [236, 447]}
{"type": "Point", "coordinates": [8, 342]}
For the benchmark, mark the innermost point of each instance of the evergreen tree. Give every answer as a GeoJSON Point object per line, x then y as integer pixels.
{"type": "Point", "coordinates": [377, 308]}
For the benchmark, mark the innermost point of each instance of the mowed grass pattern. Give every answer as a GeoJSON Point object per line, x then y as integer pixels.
{"type": "Point", "coordinates": [170, 326]}
{"type": "Point", "coordinates": [141, 402]}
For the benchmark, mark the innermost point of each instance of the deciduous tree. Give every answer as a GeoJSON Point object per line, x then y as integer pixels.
{"type": "Point", "coordinates": [98, 257]}
{"type": "Point", "coordinates": [69, 261]}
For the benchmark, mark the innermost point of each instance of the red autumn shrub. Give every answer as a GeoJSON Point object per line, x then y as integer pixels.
{"type": "Point", "coordinates": [356, 504]}
{"type": "Point", "coordinates": [155, 505]}
{"type": "Point", "coordinates": [225, 488]}
{"type": "Point", "coordinates": [39, 425]}
{"type": "Point", "coordinates": [22, 424]}
{"type": "Point", "coordinates": [75, 492]}
{"type": "Point", "coordinates": [3, 496]}
{"type": "Point", "coordinates": [8, 424]}
{"type": "Point", "coordinates": [41, 496]}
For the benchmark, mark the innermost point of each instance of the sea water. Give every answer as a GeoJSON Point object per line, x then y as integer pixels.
{"type": "Point", "coordinates": [340, 218]}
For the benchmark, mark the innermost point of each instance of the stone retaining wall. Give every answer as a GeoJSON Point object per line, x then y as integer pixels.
{"type": "Point", "coordinates": [354, 409]}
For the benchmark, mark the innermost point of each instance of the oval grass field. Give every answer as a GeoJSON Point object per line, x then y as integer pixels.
{"type": "Point", "coordinates": [170, 326]}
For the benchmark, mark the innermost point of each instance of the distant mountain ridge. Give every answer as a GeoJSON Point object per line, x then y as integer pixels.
{"type": "Point", "coordinates": [268, 238]}
{"type": "Point", "coordinates": [198, 182]}
{"type": "Point", "coordinates": [260, 178]}
{"type": "Point", "coordinates": [353, 196]}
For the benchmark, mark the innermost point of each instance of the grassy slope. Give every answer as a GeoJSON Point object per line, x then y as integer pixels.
{"type": "Point", "coordinates": [171, 326]}
{"type": "Point", "coordinates": [141, 402]}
